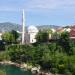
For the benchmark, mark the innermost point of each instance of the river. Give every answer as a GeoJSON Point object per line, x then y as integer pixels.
{"type": "Point", "coordinates": [13, 70]}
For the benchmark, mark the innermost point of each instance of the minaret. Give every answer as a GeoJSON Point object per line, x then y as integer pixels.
{"type": "Point", "coordinates": [23, 27]}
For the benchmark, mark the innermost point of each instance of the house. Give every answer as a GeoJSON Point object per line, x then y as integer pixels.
{"type": "Point", "coordinates": [72, 34]}
{"type": "Point", "coordinates": [70, 30]}
{"type": "Point", "coordinates": [0, 35]}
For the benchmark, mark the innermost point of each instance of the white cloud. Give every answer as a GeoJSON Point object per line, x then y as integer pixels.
{"type": "Point", "coordinates": [50, 4]}
{"type": "Point", "coordinates": [15, 5]}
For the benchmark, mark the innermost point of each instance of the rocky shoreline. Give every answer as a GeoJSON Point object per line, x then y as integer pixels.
{"type": "Point", "coordinates": [24, 66]}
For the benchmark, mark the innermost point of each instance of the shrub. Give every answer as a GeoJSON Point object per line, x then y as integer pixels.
{"type": "Point", "coordinates": [67, 72]}
{"type": "Point", "coordinates": [54, 70]}
{"type": "Point", "coordinates": [4, 56]}
{"type": "Point", "coordinates": [2, 72]}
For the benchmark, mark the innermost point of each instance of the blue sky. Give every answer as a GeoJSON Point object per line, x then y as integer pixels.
{"type": "Point", "coordinates": [38, 12]}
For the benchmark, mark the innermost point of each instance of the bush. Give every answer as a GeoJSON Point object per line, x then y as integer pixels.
{"type": "Point", "coordinates": [2, 45]}
{"type": "Point", "coordinates": [20, 53]}
{"type": "Point", "coordinates": [54, 70]}
{"type": "Point", "coordinates": [4, 56]}
{"type": "Point", "coordinates": [49, 56]}
{"type": "Point", "coordinates": [67, 72]}
{"type": "Point", "coordinates": [2, 72]}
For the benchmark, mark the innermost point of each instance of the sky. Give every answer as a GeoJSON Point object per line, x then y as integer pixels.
{"type": "Point", "coordinates": [38, 12]}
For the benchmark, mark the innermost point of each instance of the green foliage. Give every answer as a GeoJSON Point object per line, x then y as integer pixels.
{"type": "Point", "coordinates": [2, 72]}
{"type": "Point", "coordinates": [50, 56]}
{"type": "Point", "coordinates": [4, 56]}
{"type": "Point", "coordinates": [67, 72]}
{"type": "Point", "coordinates": [54, 70]}
{"type": "Point", "coordinates": [42, 37]}
{"type": "Point", "coordinates": [10, 37]}
{"type": "Point", "coordinates": [15, 35]}
{"type": "Point", "coordinates": [65, 43]}
{"type": "Point", "coordinates": [20, 53]}
{"type": "Point", "coordinates": [2, 45]}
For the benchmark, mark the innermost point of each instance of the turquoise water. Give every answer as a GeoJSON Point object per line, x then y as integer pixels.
{"type": "Point", "coordinates": [13, 70]}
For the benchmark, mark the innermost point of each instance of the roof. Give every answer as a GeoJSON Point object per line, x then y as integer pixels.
{"type": "Point", "coordinates": [72, 27]}
{"type": "Point", "coordinates": [72, 33]}
{"type": "Point", "coordinates": [32, 29]}
{"type": "Point", "coordinates": [60, 30]}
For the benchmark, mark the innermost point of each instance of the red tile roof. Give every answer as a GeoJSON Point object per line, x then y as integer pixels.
{"type": "Point", "coordinates": [72, 27]}
{"type": "Point", "coordinates": [60, 30]}
{"type": "Point", "coordinates": [72, 33]}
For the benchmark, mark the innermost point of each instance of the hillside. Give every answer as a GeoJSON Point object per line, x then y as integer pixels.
{"type": "Point", "coordinates": [48, 27]}
{"type": "Point", "coordinates": [7, 26]}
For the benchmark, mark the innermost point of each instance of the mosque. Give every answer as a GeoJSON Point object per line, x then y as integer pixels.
{"type": "Point", "coordinates": [29, 34]}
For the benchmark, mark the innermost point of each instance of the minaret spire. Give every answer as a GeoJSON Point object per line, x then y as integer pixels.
{"type": "Point", "coordinates": [23, 27]}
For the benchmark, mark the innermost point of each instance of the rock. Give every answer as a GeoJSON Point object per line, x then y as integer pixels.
{"type": "Point", "coordinates": [35, 70]}
{"type": "Point", "coordinates": [24, 65]}
{"type": "Point", "coordinates": [29, 67]}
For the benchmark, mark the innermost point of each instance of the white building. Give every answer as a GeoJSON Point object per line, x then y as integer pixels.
{"type": "Point", "coordinates": [30, 35]}
{"type": "Point", "coordinates": [0, 36]}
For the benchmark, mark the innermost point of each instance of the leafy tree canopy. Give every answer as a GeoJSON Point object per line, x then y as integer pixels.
{"type": "Point", "coordinates": [42, 37]}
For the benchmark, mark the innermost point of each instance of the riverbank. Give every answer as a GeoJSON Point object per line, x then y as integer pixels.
{"type": "Point", "coordinates": [24, 66]}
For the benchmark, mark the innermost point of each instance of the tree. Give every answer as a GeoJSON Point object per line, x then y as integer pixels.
{"type": "Point", "coordinates": [15, 35]}
{"type": "Point", "coordinates": [42, 37]}
{"type": "Point", "coordinates": [64, 41]}
{"type": "Point", "coordinates": [55, 35]}
{"type": "Point", "coordinates": [50, 33]}
{"type": "Point", "coordinates": [10, 37]}
{"type": "Point", "coordinates": [7, 37]}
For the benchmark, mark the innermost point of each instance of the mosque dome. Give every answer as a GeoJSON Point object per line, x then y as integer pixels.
{"type": "Point", "coordinates": [32, 29]}
{"type": "Point", "coordinates": [53, 30]}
